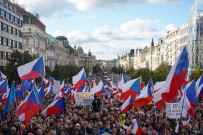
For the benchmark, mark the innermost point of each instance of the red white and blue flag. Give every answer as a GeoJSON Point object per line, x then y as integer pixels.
{"type": "Point", "coordinates": [56, 107]}
{"type": "Point", "coordinates": [174, 81]}
{"type": "Point", "coordinates": [126, 105]}
{"type": "Point", "coordinates": [189, 99]}
{"type": "Point", "coordinates": [2, 76]}
{"type": "Point", "coordinates": [99, 89]}
{"type": "Point", "coordinates": [79, 79]}
{"type": "Point", "coordinates": [32, 69]}
{"type": "Point", "coordinates": [137, 130]}
{"type": "Point", "coordinates": [30, 106]}
{"type": "Point", "coordinates": [44, 81]}
{"type": "Point", "coordinates": [131, 88]}
{"type": "Point", "coordinates": [121, 84]}
{"type": "Point", "coordinates": [199, 87]}
{"type": "Point", "coordinates": [145, 96]}
{"type": "Point", "coordinates": [3, 86]}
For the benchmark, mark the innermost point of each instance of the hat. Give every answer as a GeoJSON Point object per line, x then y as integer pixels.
{"type": "Point", "coordinates": [77, 124]}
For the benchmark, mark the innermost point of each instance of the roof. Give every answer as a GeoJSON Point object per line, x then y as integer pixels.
{"type": "Point", "coordinates": [51, 39]}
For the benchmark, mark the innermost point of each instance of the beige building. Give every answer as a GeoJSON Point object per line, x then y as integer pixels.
{"type": "Point", "coordinates": [33, 33]}
{"type": "Point", "coordinates": [86, 60]}
{"type": "Point", "coordinates": [10, 31]}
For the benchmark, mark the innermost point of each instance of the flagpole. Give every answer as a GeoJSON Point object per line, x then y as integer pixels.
{"type": "Point", "coordinates": [182, 104]}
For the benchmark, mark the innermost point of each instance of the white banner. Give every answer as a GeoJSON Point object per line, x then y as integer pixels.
{"type": "Point", "coordinates": [84, 98]}
{"type": "Point", "coordinates": [56, 86]}
{"type": "Point", "coordinates": [173, 110]}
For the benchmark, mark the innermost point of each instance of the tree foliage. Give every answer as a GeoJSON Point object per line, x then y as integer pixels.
{"type": "Point", "coordinates": [196, 73]}
{"type": "Point", "coordinates": [96, 69]}
{"type": "Point", "coordinates": [145, 73]}
{"type": "Point", "coordinates": [118, 70]}
{"type": "Point", "coordinates": [161, 72]}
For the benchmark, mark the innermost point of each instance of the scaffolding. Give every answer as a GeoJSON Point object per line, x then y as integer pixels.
{"type": "Point", "coordinates": [195, 36]}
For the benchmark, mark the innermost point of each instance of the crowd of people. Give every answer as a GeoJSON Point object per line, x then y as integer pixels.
{"type": "Point", "coordinates": [103, 117]}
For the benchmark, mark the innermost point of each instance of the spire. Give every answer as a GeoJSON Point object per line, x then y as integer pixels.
{"type": "Point", "coordinates": [152, 43]}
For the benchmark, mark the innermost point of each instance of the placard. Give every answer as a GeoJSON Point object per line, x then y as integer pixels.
{"type": "Point", "coordinates": [84, 98]}
{"type": "Point", "coordinates": [173, 110]}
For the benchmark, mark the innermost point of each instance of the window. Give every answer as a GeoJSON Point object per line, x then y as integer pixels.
{"type": "Point", "coordinates": [2, 13]}
{"type": "Point", "coordinates": [2, 55]}
{"type": "Point", "coordinates": [6, 55]}
{"type": "Point", "coordinates": [5, 27]}
{"type": "Point", "coordinates": [12, 18]}
{"type": "Point", "coordinates": [4, 41]}
{"type": "Point", "coordinates": [7, 16]}
{"type": "Point", "coordinates": [14, 31]}
{"type": "Point", "coordinates": [9, 29]}
{"type": "Point", "coordinates": [1, 26]}
{"type": "Point", "coordinates": [1, 41]}
{"type": "Point", "coordinates": [17, 44]}
{"type": "Point", "coordinates": [9, 42]}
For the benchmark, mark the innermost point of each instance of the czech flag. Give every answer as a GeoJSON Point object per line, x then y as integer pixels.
{"type": "Point", "coordinates": [41, 92]}
{"type": "Point", "coordinates": [44, 81]}
{"type": "Point", "coordinates": [32, 69]}
{"type": "Point", "coordinates": [137, 130]}
{"type": "Point", "coordinates": [113, 85]}
{"type": "Point", "coordinates": [126, 105]}
{"type": "Point", "coordinates": [27, 84]}
{"type": "Point", "coordinates": [121, 84]}
{"type": "Point", "coordinates": [51, 80]}
{"type": "Point", "coordinates": [62, 87]}
{"type": "Point", "coordinates": [2, 76]}
{"type": "Point", "coordinates": [57, 106]}
{"type": "Point", "coordinates": [199, 87]}
{"type": "Point", "coordinates": [11, 98]}
{"type": "Point", "coordinates": [131, 88]}
{"type": "Point", "coordinates": [49, 89]}
{"type": "Point", "coordinates": [174, 80]}
{"type": "Point", "coordinates": [158, 86]}
{"type": "Point", "coordinates": [145, 96]}
{"type": "Point", "coordinates": [79, 79]}
{"type": "Point", "coordinates": [99, 89]}
{"type": "Point", "coordinates": [3, 86]}
{"type": "Point", "coordinates": [189, 99]}
{"type": "Point", "coordinates": [30, 106]}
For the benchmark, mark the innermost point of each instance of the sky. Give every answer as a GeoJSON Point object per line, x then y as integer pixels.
{"type": "Point", "coordinates": [109, 28]}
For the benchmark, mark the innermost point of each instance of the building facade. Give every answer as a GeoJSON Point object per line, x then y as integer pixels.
{"type": "Point", "coordinates": [10, 31]}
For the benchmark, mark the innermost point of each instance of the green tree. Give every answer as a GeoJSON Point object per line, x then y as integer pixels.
{"type": "Point", "coordinates": [196, 73]}
{"type": "Point", "coordinates": [114, 70]}
{"type": "Point", "coordinates": [15, 60]}
{"type": "Point", "coordinates": [161, 72]}
{"type": "Point", "coordinates": [96, 69]}
{"type": "Point", "coordinates": [145, 73]}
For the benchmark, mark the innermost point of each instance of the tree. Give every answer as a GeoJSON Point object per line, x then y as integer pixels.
{"type": "Point", "coordinates": [96, 69]}
{"type": "Point", "coordinates": [161, 72]}
{"type": "Point", "coordinates": [196, 73]}
{"type": "Point", "coordinates": [145, 73]}
{"type": "Point", "coordinates": [114, 70]}
{"type": "Point", "coordinates": [15, 60]}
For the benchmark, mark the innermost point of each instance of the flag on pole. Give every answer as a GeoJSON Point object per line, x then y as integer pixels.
{"type": "Point", "coordinates": [33, 69]}
{"type": "Point", "coordinates": [11, 98]}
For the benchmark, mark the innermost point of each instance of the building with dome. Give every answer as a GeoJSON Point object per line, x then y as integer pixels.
{"type": "Point", "coordinates": [86, 60]}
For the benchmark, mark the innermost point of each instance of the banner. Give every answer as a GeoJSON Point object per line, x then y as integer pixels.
{"type": "Point", "coordinates": [56, 86]}
{"type": "Point", "coordinates": [173, 110]}
{"type": "Point", "coordinates": [84, 98]}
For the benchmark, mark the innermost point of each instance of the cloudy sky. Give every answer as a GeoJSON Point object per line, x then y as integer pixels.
{"type": "Point", "coordinates": [110, 27]}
